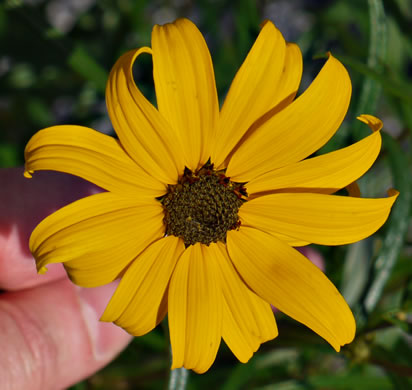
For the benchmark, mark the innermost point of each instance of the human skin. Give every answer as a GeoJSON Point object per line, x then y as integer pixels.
{"type": "Point", "coordinates": [50, 335]}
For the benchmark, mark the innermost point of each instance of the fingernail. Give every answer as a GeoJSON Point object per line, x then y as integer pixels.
{"type": "Point", "coordinates": [106, 338]}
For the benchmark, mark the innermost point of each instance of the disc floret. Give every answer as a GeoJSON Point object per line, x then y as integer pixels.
{"type": "Point", "coordinates": [203, 206]}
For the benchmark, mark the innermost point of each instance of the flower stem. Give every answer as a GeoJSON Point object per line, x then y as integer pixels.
{"type": "Point", "coordinates": [178, 379]}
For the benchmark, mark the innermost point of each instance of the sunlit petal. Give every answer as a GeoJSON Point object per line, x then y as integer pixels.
{"type": "Point", "coordinates": [263, 81]}
{"type": "Point", "coordinates": [195, 309]}
{"type": "Point", "coordinates": [143, 132]}
{"type": "Point", "coordinates": [91, 155]}
{"type": "Point", "coordinates": [299, 129]}
{"type": "Point", "coordinates": [248, 321]}
{"type": "Point", "coordinates": [185, 87]}
{"type": "Point", "coordinates": [289, 281]}
{"type": "Point", "coordinates": [135, 304]}
{"type": "Point", "coordinates": [327, 173]}
{"type": "Point", "coordinates": [88, 234]}
{"type": "Point", "coordinates": [318, 218]}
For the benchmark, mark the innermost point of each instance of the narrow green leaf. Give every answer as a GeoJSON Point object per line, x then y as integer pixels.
{"type": "Point", "coordinates": [392, 87]}
{"type": "Point", "coordinates": [240, 375]}
{"type": "Point", "coordinates": [84, 64]}
{"type": "Point", "coordinates": [285, 385]}
{"type": "Point", "coordinates": [350, 382]}
{"type": "Point", "coordinates": [10, 4]}
{"type": "Point", "coordinates": [397, 224]}
{"type": "Point", "coordinates": [371, 89]}
{"type": "Point", "coordinates": [9, 155]}
{"type": "Point", "coordinates": [40, 112]}
{"type": "Point", "coordinates": [407, 115]}
{"type": "Point", "coordinates": [356, 271]}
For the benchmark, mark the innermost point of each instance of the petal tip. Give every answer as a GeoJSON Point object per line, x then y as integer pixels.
{"type": "Point", "coordinates": [336, 348]}
{"type": "Point", "coordinates": [373, 122]}
{"type": "Point", "coordinates": [393, 192]}
{"type": "Point", "coordinates": [42, 270]}
{"type": "Point", "coordinates": [266, 22]}
{"type": "Point", "coordinates": [28, 174]}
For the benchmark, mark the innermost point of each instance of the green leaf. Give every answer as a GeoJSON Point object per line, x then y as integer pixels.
{"type": "Point", "coordinates": [84, 64]}
{"type": "Point", "coordinates": [9, 155]}
{"type": "Point", "coordinates": [285, 385]}
{"type": "Point", "coordinates": [398, 318]}
{"type": "Point", "coordinates": [392, 87]}
{"type": "Point", "coordinates": [79, 386]}
{"type": "Point", "coordinates": [350, 382]}
{"type": "Point", "coordinates": [39, 112]}
{"type": "Point", "coordinates": [356, 271]}
{"type": "Point", "coordinates": [240, 376]}
{"type": "Point", "coordinates": [153, 340]}
{"type": "Point", "coordinates": [371, 89]}
{"type": "Point", "coordinates": [10, 4]}
{"type": "Point", "coordinates": [397, 224]}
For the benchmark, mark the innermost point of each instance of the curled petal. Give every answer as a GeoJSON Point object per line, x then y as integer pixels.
{"type": "Point", "coordinates": [143, 132]}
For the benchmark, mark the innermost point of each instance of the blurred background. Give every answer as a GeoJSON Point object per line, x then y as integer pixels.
{"type": "Point", "coordinates": [54, 61]}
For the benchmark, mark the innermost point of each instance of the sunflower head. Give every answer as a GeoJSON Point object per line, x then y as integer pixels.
{"type": "Point", "coordinates": [204, 206]}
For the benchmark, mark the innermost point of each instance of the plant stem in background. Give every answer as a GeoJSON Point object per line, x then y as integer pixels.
{"type": "Point", "coordinates": [371, 89]}
{"type": "Point", "coordinates": [178, 379]}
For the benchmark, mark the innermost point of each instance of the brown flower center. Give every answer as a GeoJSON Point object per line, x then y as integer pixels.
{"type": "Point", "coordinates": [203, 206]}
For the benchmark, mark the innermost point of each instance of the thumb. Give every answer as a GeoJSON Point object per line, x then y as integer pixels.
{"type": "Point", "coordinates": [51, 337]}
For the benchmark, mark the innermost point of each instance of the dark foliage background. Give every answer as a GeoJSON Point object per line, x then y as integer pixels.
{"type": "Point", "coordinates": [54, 60]}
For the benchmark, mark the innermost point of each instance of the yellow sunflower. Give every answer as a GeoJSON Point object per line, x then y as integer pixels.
{"type": "Point", "coordinates": [203, 206]}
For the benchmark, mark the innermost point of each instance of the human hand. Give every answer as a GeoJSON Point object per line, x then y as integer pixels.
{"type": "Point", "coordinates": [50, 336]}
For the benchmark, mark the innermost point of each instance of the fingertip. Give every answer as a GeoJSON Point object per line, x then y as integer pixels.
{"type": "Point", "coordinates": [107, 339]}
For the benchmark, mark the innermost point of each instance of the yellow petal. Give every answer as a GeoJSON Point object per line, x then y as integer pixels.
{"type": "Point", "coordinates": [299, 129]}
{"type": "Point", "coordinates": [264, 316]}
{"type": "Point", "coordinates": [289, 281]}
{"type": "Point", "coordinates": [291, 76]}
{"type": "Point", "coordinates": [195, 309]}
{"type": "Point", "coordinates": [248, 321]}
{"type": "Point", "coordinates": [136, 302]}
{"type": "Point", "coordinates": [288, 240]}
{"type": "Point", "coordinates": [327, 173]}
{"type": "Point", "coordinates": [162, 311]}
{"type": "Point", "coordinates": [143, 132]}
{"type": "Point", "coordinates": [374, 123]}
{"type": "Point", "coordinates": [185, 87]}
{"type": "Point", "coordinates": [91, 155]}
{"type": "Point", "coordinates": [97, 237]}
{"type": "Point", "coordinates": [318, 218]}
{"type": "Point", "coordinates": [264, 80]}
